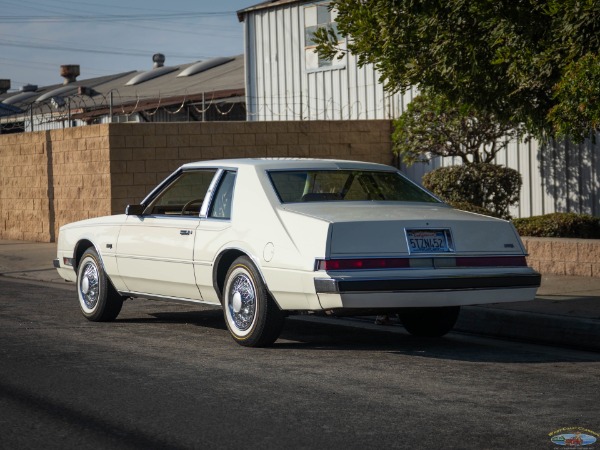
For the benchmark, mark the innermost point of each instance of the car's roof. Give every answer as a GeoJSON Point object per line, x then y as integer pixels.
{"type": "Point", "coordinates": [289, 163]}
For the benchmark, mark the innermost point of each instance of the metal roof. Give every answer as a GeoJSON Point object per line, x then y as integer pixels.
{"type": "Point", "coordinates": [219, 82]}
{"type": "Point", "coordinates": [150, 75]}
{"type": "Point", "coordinates": [23, 99]}
{"type": "Point", "coordinates": [264, 5]}
{"type": "Point", "coordinates": [203, 66]}
{"type": "Point", "coordinates": [8, 110]}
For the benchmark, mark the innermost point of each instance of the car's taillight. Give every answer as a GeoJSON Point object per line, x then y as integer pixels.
{"type": "Point", "coordinates": [420, 263]}
{"type": "Point", "coordinates": [367, 263]}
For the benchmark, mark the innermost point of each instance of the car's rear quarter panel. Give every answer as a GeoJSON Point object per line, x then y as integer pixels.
{"type": "Point", "coordinates": [286, 244]}
{"type": "Point", "coordinates": [100, 233]}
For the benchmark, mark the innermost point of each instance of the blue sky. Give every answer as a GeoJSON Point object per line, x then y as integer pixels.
{"type": "Point", "coordinates": [111, 36]}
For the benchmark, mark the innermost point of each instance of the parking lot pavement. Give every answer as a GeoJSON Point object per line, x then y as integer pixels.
{"type": "Point", "coordinates": [565, 312]}
{"type": "Point", "coordinates": [28, 260]}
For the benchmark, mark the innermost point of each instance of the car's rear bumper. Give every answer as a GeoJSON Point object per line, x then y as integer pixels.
{"type": "Point", "coordinates": [336, 293]}
{"type": "Point", "coordinates": [345, 285]}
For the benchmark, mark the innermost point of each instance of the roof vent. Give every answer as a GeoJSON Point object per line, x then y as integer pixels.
{"type": "Point", "coordinates": [61, 91]}
{"type": "Point", "coordinates": [4, 86]}
{"type": "Point", "coordinates": [70, 73]}
{"type": "Point", "coordinates": [29, 88]}
{"type": "Point", "coordinates": [158, 59]}
{"type": "Point", "coordinates": [21, 97]}
{"type": "Point", "coordinates": [203, 66]}
{"type": "Point", "coordinates": [151, 74]}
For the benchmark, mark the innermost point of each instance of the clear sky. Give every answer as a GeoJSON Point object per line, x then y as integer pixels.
{"type": "Point", "coordinates": [112, 36]}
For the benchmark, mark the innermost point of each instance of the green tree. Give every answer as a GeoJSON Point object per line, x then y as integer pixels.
{"type": "Point", "coordinates": [577, 110]}
{"type": "Point", "coordinates": [432, 126]}
{"type": "Point", "coordinates": [504, 56]}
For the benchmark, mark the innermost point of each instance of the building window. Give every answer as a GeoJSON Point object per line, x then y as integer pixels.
{"type": "Point", "coordinates": [318, 16]}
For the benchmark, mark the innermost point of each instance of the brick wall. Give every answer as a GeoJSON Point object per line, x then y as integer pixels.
{"type": "Point", "coordinates": [55, 177]}
{"type": "Point", "coordinates": [24, 200]}
{"type": "Point", "coordinates": [80, 171]}
{"type": "Point", "coordinates": [50, 178]}
{"type": "Point", "coordinates": [580, 257]}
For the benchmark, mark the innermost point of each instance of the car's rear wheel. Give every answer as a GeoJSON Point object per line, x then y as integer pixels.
{"type": "Point", "coordinates": [98, 299]}
{"type": "Point", "coordinates": [252, 316]}
{"type": "Point", "coordinates": [429, 322]}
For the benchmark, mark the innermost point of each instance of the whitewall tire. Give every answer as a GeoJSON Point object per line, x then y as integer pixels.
{"type": "Point", "coordinates": [98, 299]}
{"type": "Point", "coordinates": [252, 316]}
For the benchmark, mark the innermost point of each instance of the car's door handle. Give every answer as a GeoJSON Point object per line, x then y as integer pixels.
{"type": "Point", "coordinates": [185, 232]}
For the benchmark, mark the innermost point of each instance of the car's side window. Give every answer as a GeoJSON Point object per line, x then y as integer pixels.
{"type": "Point", "coordinates": [221, 204]}
{"type": "Point", "coordinates": [184, 196]}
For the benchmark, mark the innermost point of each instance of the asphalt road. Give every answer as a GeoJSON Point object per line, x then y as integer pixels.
{"type": "Point", "coordinates": [169, 376]}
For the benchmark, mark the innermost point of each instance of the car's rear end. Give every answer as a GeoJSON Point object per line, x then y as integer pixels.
{"type": "Point", "coordinates": [392, 246]}
{"type": "Point", "coordinates": [450, 258]}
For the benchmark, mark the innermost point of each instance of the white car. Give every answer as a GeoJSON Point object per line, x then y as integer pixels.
{"type": "Point", "coordinates": [264, 238]}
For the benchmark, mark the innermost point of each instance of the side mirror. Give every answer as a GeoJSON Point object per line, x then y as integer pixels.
{"type": "Point", "coordinates": [134, 210]}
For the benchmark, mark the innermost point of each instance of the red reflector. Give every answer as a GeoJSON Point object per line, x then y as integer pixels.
{"type": "Point", "coordinates": [492, 261]}
{"type": "Point", "coordinates": [371, 263]}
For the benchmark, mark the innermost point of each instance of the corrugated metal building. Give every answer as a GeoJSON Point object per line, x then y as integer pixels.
{"type": "Point", "coordinates": [286, 80]}
{"type": "Point", "coordinates": [558, 177]}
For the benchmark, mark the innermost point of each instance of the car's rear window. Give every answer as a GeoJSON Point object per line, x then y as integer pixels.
{"type": "Point", "coordinates": [345, 185]}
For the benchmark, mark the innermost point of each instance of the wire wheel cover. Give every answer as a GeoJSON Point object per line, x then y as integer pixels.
{"type": "Point", "coordinates": [242, 302]}
{"type": "Point", "coordinates": [89, 285]}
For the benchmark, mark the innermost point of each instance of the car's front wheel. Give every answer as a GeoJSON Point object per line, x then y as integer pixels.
{"type": "Point", "coordinates": [252, 316]}
{"type": "Point", "coordinates": [98, 299]}
{"type": "Point", "coordinates": [429, 322]}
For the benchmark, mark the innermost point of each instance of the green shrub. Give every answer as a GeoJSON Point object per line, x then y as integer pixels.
{"type": "Point", "coordinates": [491, 187]}
{"type": "Point", "coordinates": [565, 225]}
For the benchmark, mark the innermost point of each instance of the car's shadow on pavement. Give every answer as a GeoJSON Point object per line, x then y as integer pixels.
{"type": "Point", "coordinates": [454, 346]}
{"type": "Point", "coordinates": [212, 318]}
{"type": "Point", "coordinates": [303, 335]}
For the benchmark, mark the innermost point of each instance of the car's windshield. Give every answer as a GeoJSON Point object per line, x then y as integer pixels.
{"type": "Point", "coordinates": [345, 185]}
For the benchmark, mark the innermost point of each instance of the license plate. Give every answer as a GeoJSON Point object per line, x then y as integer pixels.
{"type": "Point", "coordinates": [429, 241]}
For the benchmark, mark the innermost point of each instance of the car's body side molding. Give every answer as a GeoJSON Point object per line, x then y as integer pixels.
{"type": "Point", "coordinates": [167, 298]}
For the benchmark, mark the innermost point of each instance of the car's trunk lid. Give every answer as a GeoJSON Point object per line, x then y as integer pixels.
{"type": "Point", "coordinates": [378, 229]}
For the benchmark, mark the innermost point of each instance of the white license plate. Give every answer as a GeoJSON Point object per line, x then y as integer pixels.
{"type": "Point", "coordinates": [429, 241]}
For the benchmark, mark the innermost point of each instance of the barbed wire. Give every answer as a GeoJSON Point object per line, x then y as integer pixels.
{"type": "Point", "coordinates": [82, 109]}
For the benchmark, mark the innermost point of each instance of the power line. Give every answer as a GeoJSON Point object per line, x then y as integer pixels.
{"type": "Point", "coordinates": [143, 53]}
{"type": "Point", "coordinates": [79, 18]}
{"type": "Point", "coordinates": [59, 6]}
